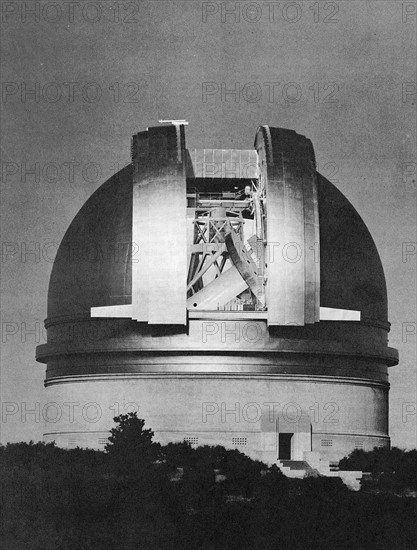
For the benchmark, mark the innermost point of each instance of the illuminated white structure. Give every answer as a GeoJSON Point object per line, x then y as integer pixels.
{"type": "Point", "coordinates": [234, 297]}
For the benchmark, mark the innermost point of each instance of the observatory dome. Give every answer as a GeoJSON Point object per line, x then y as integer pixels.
{"type": "Point", "coordinates": [245, 307]}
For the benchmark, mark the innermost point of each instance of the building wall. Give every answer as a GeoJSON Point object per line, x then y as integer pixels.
{"type": "Point", "coordinates": [328, 415]}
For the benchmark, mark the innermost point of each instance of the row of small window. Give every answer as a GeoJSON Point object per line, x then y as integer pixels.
{"type": "Point", "coordinates": [329, 443]}
{"type": "Point", "coordinates": [240, 441]}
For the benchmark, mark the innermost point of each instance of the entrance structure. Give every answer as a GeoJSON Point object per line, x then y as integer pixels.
{"type": "Point", "coordinates": [231, 297]}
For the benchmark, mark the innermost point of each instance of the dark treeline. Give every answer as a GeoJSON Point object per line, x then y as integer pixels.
{"type": "Point", "coordinates": [140, 495]}
{"type": "Point", "coordinates": [392, 470]}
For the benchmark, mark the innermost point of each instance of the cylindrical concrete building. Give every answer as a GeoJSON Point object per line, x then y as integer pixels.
{"type": "Point", "coordinates": [231, 297]}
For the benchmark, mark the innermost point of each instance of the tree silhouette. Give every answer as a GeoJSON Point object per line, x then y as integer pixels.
{"type": "Point", "coordinates": [130, 447]}
{"type": "Point", "coordinates": [391, 469]}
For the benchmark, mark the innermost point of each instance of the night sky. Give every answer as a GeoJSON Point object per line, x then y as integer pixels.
{"type": "Point", "coordinates": [341, 73]}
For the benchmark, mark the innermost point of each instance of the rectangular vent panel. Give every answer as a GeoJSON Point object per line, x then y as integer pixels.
{"type": "Point", "coordinates": [241, 441]}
